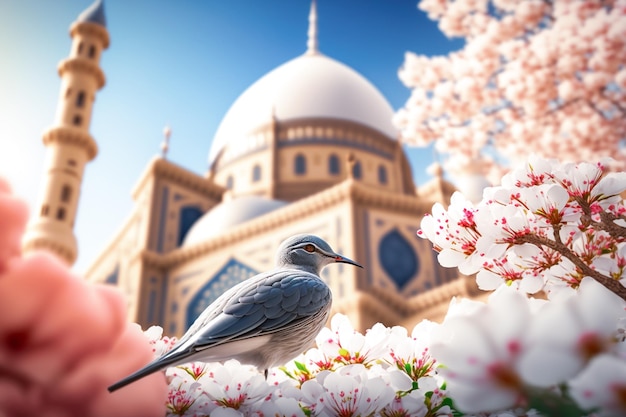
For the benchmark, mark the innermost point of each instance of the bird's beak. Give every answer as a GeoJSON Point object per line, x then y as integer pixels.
{"type": "Point", "coordinates": [344, 260]}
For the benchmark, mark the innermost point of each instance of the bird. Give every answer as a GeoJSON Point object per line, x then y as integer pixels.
{"type": "Point", "coordinates": [265, 320]}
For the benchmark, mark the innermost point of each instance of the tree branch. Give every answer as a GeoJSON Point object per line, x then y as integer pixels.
{"type": "Point", "coordinates": [608, 221]}
{"type": "Point", "coordinates": [611, 284]}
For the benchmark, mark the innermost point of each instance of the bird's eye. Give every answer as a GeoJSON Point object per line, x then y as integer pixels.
{"type": "Point", "coordinates": [309, 248]}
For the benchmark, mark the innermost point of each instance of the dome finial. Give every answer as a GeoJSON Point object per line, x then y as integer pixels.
{"type": "Point", "coordinates": [312, 48]}
{"type": "Point", "coordinates": [165, 145]}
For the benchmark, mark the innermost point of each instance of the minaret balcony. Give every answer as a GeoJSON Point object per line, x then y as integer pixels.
{"type": "Point", "coordinates": [72, 136]}
{"type": "Point", "coordinates": [85, 65]}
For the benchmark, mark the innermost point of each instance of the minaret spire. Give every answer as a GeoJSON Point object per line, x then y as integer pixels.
{"type": "Point", "coordinates": [312, 47]}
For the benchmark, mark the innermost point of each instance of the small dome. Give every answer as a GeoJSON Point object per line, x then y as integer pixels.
{"type": "Point", "coordinates": [229, 214]}
{"type": "Point", "coordinates": [94, 14]}
{"type": "Point", "coordinates": [309, 86]}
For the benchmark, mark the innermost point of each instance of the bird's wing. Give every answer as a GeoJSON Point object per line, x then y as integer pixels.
{"type": "Point", "coordinates": [267, 304]}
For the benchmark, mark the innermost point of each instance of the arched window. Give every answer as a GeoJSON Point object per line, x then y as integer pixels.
{"type": "Point", "coordinates": [398, 258]}
{"type": "Point", "coordinates": [66, 193]}
{"type": "Point", "coordinates": [61, 213]}
{"type": "Point", "coordinates": [356, 170]}
{"type": "Point", "coordinates": [80, 48]}
{"type": "Point", "coordinates": [188, 216]}
{"type": "Point", "coordinates": [77, 120]}
{"type": "Point", "coordinates": [44, 210]}
{"type": "Point", "coordinates": [230, 182]}
{"type": "Point", "coordinates": [300, 164]}
{"type": "Point", "coordinates": [333, 165]}
{"type": "Point", "coordinates": [92, 51]}
{"type": "Point", "coordinates": [256, 173]}
{"type": "Point", "coordinates": [80, 99]}
{"type": "Point", "coordinates": [382, 174]}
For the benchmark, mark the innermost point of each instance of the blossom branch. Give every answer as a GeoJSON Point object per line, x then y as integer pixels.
{"type": "Point", "coordinates": [614, 286]}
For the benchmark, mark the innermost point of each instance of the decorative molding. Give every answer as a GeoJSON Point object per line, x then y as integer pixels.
{"type": "Point", "coordinates": [318, 131]}
{"type": "Point", "coordinates": [79, 64]}
{"type": "Point", "coordinates": [62, 251]}
{"type": "Point", "coordinates": [163, 169]}
{"type": "Point", "coordinates": [463, 286]}
{"type": "Point", "coordinates": [376, 302]}
{"type": "Point", "coordinates": [72, 136]}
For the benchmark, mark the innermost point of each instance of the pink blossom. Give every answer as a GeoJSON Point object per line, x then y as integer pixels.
{"type": "Point", "coordinates": [587, 323]}
{"type": "Point", "coordinates": [454, 234]}
{"type": "Point", "coordinates": [351, 392]}
{"type": "Point", "coordinates": [602, 385]}
{"type": "Point", "coordinates": [480, 351]}
{"type": "Point", "coordinates": [344, 345]}
{"type": "Point", "coordinates": [232, 385]}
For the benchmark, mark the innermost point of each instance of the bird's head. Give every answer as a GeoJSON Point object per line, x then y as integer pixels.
{"type": "Point", "coordinates": [308, 252]}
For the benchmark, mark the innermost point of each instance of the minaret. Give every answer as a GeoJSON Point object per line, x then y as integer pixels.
{"type": "Point", "coordinates": [70, 146]}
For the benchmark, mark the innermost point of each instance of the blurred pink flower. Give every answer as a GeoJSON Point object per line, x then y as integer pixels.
{"type": "Point", "coordinates": [63, 340]}
{"type": "Point", "coordinates": [13, 217]}
{"type": "Point", "coordinates": [587, 323]}
{"type": "Point", "coordinates": [603, 385]}
{"type": "Point", "coordinates": [480, 352]}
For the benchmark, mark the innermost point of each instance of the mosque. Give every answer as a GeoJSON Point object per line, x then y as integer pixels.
{"type": "Point", "coordinates": [308, 148]}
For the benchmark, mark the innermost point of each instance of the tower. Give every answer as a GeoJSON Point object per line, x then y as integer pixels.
{"type": "Point", "coordinates": [69, 144]}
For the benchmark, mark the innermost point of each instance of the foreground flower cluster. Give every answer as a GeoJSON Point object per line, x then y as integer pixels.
{"type": "Point", "coordinates": [385, 372]}
{"type": "Point", "coordinates": [500, 358]}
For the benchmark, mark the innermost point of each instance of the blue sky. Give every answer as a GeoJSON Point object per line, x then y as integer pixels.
{"type": "Point", "coordinates": [181, 63]}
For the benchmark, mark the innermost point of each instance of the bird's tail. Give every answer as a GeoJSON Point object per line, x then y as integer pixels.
{"type": "Point", "coordinates": [154, 366]}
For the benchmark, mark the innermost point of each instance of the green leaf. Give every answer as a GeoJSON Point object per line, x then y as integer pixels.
{"type": "Point", "coordinates": [550, 403]}
{"type": "Point", "coordinates": [301, 366]}
{"type": "Point", "coordinates": [447, 401]}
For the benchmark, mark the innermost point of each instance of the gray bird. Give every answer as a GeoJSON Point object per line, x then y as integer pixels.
{"type": "Point", "coordinates": [265, 320]}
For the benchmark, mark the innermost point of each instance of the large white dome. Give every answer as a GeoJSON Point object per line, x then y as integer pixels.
{"type": "Point", "coordinates": [309, 86]}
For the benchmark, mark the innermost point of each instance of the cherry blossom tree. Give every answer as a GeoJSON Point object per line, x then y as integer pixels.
{"type": "Point", "coordinates": [537, 76]}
